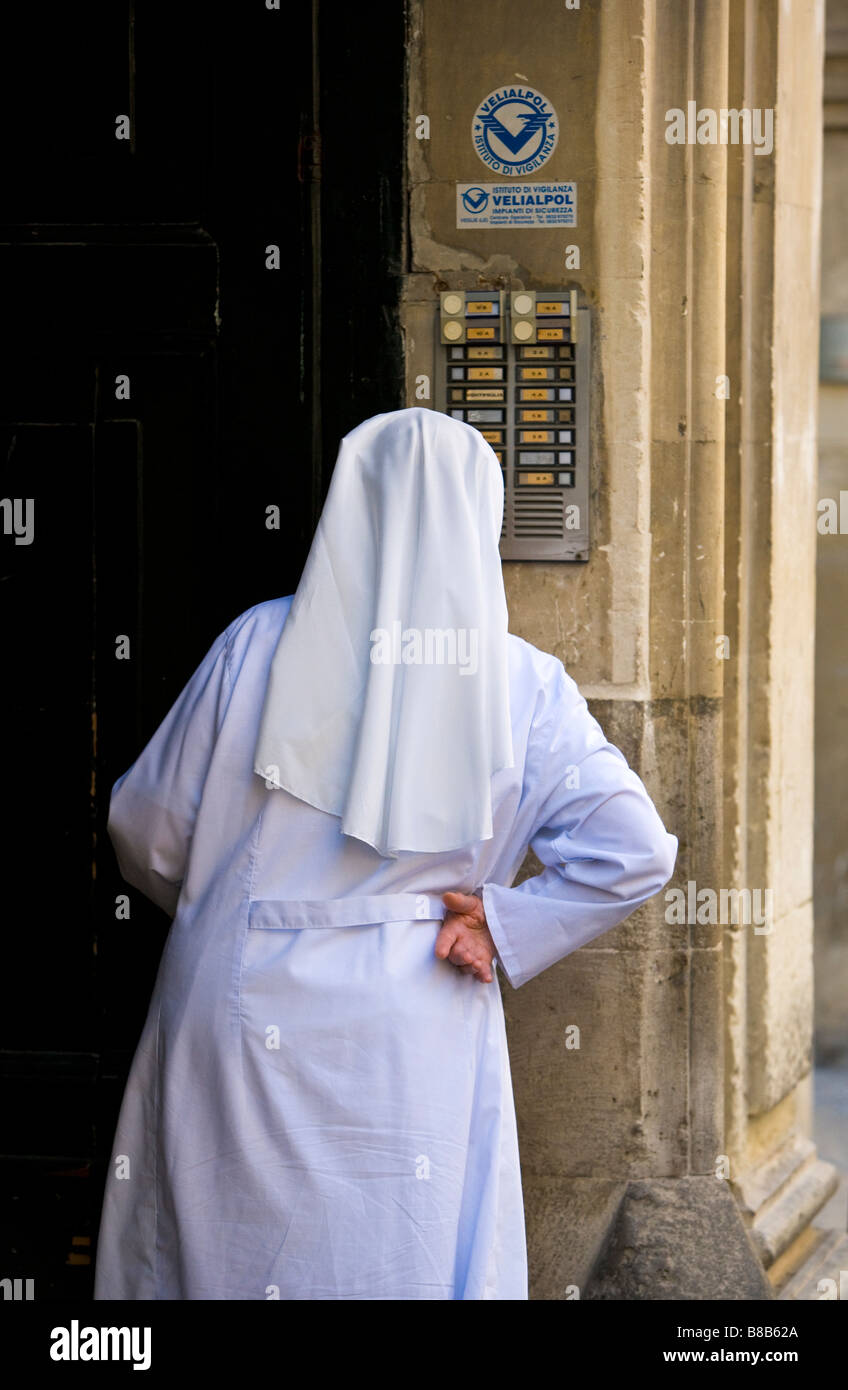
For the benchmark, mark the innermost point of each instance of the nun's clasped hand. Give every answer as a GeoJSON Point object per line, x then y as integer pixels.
{"type": "Point", "coordinates": [464, 938]}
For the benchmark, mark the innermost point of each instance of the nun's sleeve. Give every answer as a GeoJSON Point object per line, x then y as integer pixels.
{"type": "Point", "coordinates": [597, 832]}
{"type": "Point", "coordinates": [153, 807]}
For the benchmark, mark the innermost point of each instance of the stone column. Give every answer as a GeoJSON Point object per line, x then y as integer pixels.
{"type": "Point", "coordinates": [643, 1149]}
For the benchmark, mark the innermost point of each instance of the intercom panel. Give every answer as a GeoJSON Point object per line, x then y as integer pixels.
{"type": "Point", "coordinates": [515, 365]}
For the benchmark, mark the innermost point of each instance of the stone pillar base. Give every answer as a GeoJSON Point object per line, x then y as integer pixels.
{"type": "Point", "coordinates": [779, 1199]}
{"type": "Point", "coordinates": [662, 1238]}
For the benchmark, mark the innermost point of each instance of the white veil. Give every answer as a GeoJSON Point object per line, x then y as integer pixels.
{"type": "Point", "coordinates": [388, 697]}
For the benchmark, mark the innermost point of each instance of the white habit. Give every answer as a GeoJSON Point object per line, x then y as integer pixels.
{"type": "Point", "coordinates": [318, 1108]}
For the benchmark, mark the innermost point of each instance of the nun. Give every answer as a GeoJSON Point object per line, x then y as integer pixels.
{"type": "Point", "coordinates": [333, 813]}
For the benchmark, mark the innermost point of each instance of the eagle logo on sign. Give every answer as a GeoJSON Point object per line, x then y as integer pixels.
{"type": "Point", "coordinates": [514, 130]}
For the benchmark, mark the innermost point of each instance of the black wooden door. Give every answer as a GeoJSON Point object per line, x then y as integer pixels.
{"type": "Point", "coordinates": [163, 386]}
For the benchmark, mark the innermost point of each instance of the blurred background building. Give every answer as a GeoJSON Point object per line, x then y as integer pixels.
{"type": "Point", "coordinates": [831, 719]}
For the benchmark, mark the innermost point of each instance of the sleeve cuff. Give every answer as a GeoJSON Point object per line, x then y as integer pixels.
{"type": "Point", "coordinates": [507, 959]}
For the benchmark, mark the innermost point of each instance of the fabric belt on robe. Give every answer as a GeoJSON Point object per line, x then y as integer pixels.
{"type": "Point", "coordinates": [276, 914]}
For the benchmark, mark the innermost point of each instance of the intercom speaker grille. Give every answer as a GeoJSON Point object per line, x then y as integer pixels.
{"type": "Point", "coordinates": [539, 515]}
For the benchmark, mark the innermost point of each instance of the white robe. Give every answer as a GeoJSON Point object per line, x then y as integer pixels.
{"type": "Point", "coordinates": [318, 1108]}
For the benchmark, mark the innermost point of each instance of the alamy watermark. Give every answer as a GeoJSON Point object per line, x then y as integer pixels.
{"type": "Point", "coordinates": [729, 906]}
{"type": "Point", "coordinates": [726, 126]}
{"type": "Point", "coordinates": [83, 1343]}
{"type": "Point", "coordinates": [429, 646]}
{"type": "Point", "coordinates": [18, 518]}
{"type": "Point", "coordinates": [17, 1289]}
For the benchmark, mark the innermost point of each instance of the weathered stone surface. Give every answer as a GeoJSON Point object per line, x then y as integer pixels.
{"type": "Point", "coordinates": [822, 1278]}
{"type": "Point", "coordinates": [616, 1106]}
{"type": "Point", "coordinates": [567, 1224]}
{"type": "Point", "coordinates": [794, 1206]}
{"type": "Point", "coordinates": [760, 1185]}
{"type": "Point", "coordinates": [780, 1008]}
{"type": "Point", "coordinates": [678, 1239]}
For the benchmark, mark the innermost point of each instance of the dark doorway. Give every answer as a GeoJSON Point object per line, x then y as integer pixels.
{"type": "Point", "coordinates": [163, 387]}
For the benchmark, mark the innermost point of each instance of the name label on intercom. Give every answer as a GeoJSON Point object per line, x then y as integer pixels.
{"type": "Point", "coordinates": [516, 367]}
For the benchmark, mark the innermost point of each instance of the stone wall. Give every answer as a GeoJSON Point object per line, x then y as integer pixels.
{"type": "Point", "coordinates": [690, 628]}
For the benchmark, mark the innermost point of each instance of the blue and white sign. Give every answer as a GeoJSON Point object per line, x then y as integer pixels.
{"type": "Point", "coordinates": [515, 130]}
{"type": "Point", "coordinates": [516, 205]}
